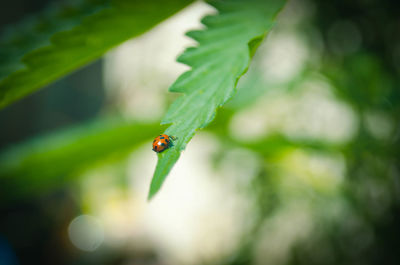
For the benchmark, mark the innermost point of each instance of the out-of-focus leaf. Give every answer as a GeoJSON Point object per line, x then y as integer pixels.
{"type": "Point", "coordinates": [45, 47]}
{"type": "Point", "coordinates": [221, 58]}
{"type": "Point", "coordinates": [51, 160]}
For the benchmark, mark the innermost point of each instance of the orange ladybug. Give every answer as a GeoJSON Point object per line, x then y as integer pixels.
{"type": "Point", "coordinates": [162, 142]}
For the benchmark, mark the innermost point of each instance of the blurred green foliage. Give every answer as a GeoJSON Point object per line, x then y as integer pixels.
{"type": "Point", "coordinates": [63, 38]}
{"type": "Point", "coordinates": [50, 161]}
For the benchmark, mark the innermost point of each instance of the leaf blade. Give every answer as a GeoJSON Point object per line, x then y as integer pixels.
{"type": "Point", "coordinates": [62, 39]}
{"type": "Point", "coordinates": [221, 58]}
{"type": "Point", "coordinates": [50, 160]}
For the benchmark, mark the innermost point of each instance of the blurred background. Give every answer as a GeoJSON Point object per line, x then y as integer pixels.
{"type": "Point", "coordinates": [300, 167]}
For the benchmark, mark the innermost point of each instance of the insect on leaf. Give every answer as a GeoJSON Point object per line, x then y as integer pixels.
{"type": "Point", "coordinates": [222, 56]}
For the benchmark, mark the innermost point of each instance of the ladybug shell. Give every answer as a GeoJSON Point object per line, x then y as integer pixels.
{"type": "Point", "coordinates": [161, 143]}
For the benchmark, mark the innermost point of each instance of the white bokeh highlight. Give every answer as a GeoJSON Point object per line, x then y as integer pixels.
{"type": "Point", "coordinates": [86, 233]}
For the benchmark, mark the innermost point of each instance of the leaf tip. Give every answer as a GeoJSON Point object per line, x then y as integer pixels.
{"type": "Point", "coordinates": [150, 196]}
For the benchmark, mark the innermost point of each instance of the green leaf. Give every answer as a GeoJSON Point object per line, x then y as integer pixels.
{"type": "Point", "coordinates": [50, 161]}
{"type": "Point", "coordinates": [222, 56]}
{"type": "Point", "coordinates": [63, 38]}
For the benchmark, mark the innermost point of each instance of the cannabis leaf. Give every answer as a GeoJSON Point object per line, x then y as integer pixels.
{"type": "Point", "coordinates": [63, 38]}
{"type": "Point", "coordinates": [222, 56]}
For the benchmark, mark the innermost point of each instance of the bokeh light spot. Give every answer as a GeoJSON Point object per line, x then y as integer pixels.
{"type": "Point", "coordinates": [86, 233]}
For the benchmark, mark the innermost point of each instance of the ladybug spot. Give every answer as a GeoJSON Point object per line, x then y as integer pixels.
{"type": "Point", "coordinates": [162, 137]}
{"type": "Point", "coordinates": [162, 144]}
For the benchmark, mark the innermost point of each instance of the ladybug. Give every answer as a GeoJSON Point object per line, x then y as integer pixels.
{"type": "Point", "coordinates": [162, 142]}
